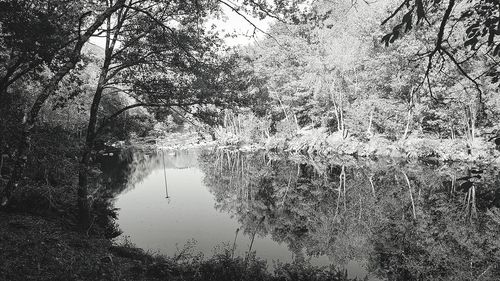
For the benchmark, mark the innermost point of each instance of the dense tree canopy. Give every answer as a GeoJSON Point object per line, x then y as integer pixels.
{"type": "Point", "coordinates": [334, 66]}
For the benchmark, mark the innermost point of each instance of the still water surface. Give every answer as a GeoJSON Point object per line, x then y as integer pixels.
{"type": "Point", "coordinates": [378, 219]}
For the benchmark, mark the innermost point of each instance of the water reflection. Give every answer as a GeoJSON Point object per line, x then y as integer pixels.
{"type": "Point", "coordinates": [392, 220]}
{"type": "Point", "coordinates": [154, 222]}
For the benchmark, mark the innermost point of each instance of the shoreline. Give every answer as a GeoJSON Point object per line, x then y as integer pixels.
{"type": "Point", "coordinates": [432, 150]}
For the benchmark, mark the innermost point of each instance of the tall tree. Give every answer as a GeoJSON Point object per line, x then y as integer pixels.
{"type": "Point", "coordinates": [160, 55]}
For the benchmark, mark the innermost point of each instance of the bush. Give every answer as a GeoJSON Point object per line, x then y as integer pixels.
{"type": "Point", "coordinates": [309, 141]}
{"type": "Point", "coordinates": [417, 148]}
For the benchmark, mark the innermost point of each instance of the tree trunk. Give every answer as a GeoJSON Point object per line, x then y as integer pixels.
{"type": "Point", "coordinates": [469, 121]}
{"type": "Point", "coordinates": [83, 203]}
{"type": "Point", "coordinates": [472, 124]}
{"type": "Point", "coordinates": [407, 128]}
{"type": "Point", "coordinates": [282, 107]}
{"type": "Point", "coordinates": [296, 121]}
{"type": "Point", "coordinates": [336, 111]}
{"type": "Point", "coordinates": [91, 134]}
{"type": "Point", "coordinates": [369, 130]}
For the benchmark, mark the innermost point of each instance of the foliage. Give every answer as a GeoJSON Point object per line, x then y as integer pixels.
{"type": "Point", "coordinates": [35, 34]}
{"type": "Point", "coordinates": [328, 69]}
{"type": "Point", "coordinates": [479, 20]}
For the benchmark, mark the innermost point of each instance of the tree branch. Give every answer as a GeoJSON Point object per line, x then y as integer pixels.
{"type": "Point", "coordinates": [236, 10]}
{"type": "Point", "coordinates": [164, 26]}
{"type": "Point", "coordinates": [396, 11]}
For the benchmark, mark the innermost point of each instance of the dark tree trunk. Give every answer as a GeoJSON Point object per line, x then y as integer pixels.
{"type": "Point", "coordinates": [83, 203]}
{"type": "Point", "coordinates": [85, 162]}
{"type": "Point", "coordinates": [91, 134]}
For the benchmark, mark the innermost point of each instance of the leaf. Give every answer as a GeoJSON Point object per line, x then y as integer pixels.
{"type": "Point", "coordinates": [497, 50]}
{"type": "Point", "coordinates": [395, 36]}
{"type": "Point", "coordinates": [408, 18]}
{"type": "Point", "coordinates": [485, 31]}
{"type": "Point", "coordinates": [420, 10]}
{"type": "Point", "coordinates": [472, 42]}
{"type": "Point", "coordinates": [471, 30]}
{"type": "Point", "coordinates": [491, 38]}
{"type": "Point", "coordinates": [386, 38]}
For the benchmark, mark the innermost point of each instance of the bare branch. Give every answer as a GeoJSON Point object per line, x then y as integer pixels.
{"type": "Point", "coordinates": [236, 10]}
{"type": "Point", "coordinates": [108, 119]}
{"type": "Point", "coordinates": [266, 11]}
{"type": "Point", "coordinates": [464, 73]}
{"type": "Point", "coordinates": [164, 26]}
{"type": "Point", "coordinates": [395, 11]}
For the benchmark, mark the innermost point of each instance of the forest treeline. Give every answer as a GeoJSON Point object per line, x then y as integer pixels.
{"type": "Point", "coordinates": [336, 77]}
{"type": "Point", "coordinates": [399, 78]}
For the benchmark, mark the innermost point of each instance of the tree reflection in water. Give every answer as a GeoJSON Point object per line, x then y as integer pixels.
{"type": "Point", "coordinates": [407, 221]}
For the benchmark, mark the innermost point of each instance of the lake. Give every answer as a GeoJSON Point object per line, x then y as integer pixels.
{"type": "Point", "coordinates": [377, 219]}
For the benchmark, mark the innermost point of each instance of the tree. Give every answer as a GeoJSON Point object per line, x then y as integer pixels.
{"type": "Point", "coordinates": [69, 61]}
{"type": "Point", "coordinates": [35, 34]}
{"type": "Point", "coordinates": [160, 55]}
{"type": "Point", "coordinates": [178, 68]}
{"type": "Point", "coordinates": [313, 67]}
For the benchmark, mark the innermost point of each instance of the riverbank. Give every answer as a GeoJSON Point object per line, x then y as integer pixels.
{"type": "Point", "coordinates": [320, 142]}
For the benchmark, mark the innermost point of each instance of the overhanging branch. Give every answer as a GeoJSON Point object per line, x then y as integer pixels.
{"type": "Point", "coordinates": [108, 119]}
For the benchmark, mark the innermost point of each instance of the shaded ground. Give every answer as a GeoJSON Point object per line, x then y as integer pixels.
{"type": "Point", "coordinates": [35, 248]}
